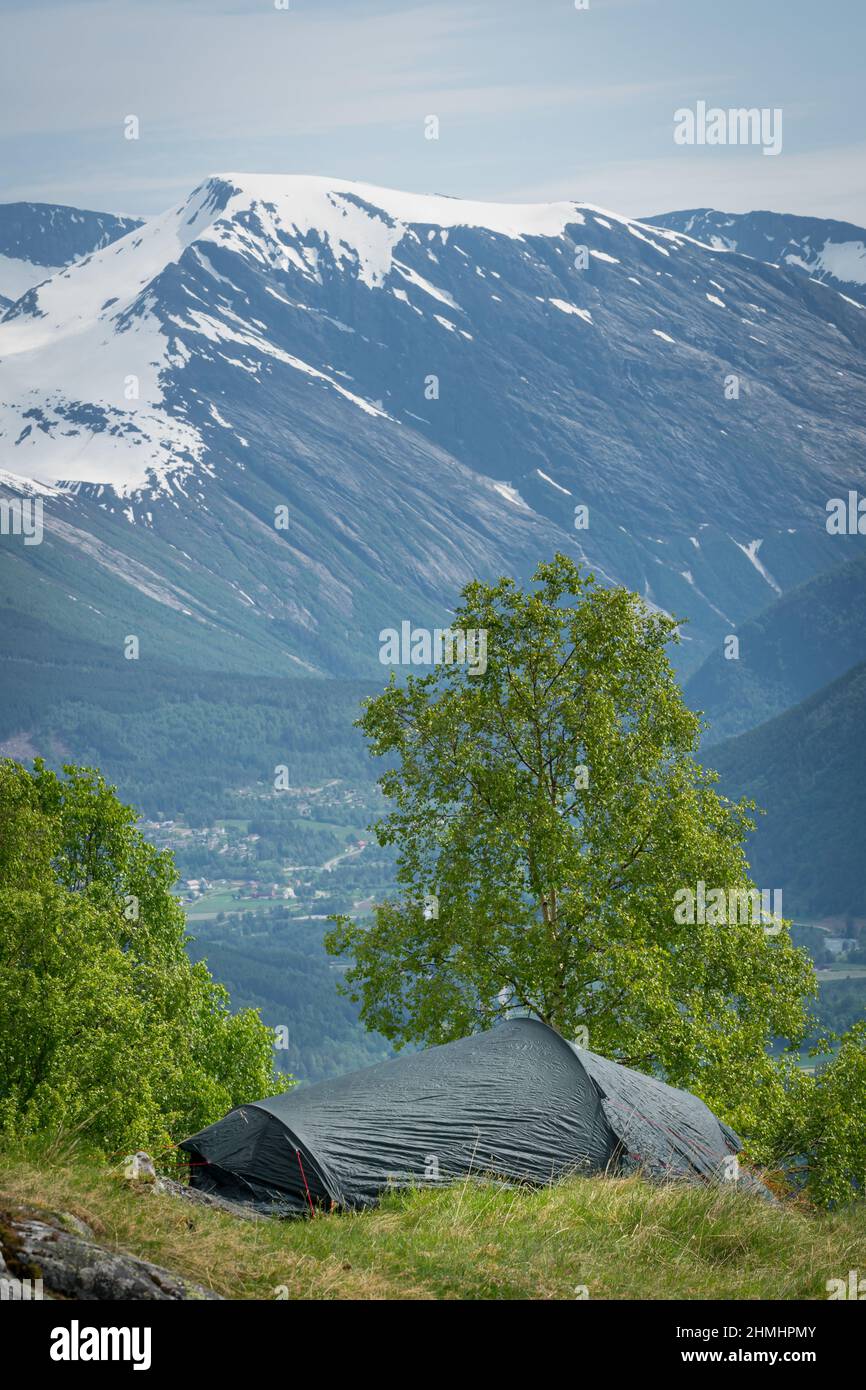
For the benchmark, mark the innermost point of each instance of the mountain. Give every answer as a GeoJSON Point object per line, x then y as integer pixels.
{"type": "Point", "coordinates": [39, 239]}
{"type": "Point", "coordinates": [831, 252]}
{"type": "Point", "coordinates": [808, 770]}
{"type": "Point", "coordinates": [283, 969]}
{"type": "Point", "coordinates": [804, 640]}
{"type": "Point", "coordinates": [423, 389]}
{"type": "Point", "coordinates": [174, 740]}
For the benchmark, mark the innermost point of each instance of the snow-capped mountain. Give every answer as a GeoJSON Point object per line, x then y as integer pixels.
{"type": "Point", "coordinates": [38, 239]}
{"type": "Point", "coordinates": [826, 250]}
{"type": "Point", "coordinates": [431, 388]}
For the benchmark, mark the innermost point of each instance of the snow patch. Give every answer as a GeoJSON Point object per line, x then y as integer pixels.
{"type": "Point", "coordinates": [750, 550]}
{"type": "Point", "coordinates": [566, 308]}
{"type": "Point", "coordinates": [511, 495]}
{"type": "Point", "coordinates": [420, 283]}
{"type": "Point", "coordinates": [552, 483]}
{"type": "Point", "coordinates": [18, 276]}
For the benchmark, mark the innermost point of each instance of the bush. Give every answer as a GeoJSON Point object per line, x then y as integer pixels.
{"type": "Point", "coordinates": [817, 1127]}
{"type": "Point", "coordinates": [106, 1028]}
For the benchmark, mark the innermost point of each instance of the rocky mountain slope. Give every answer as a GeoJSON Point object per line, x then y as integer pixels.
{"type": "Point", "coordinates": [831, 252]}
{"type": "Point", "coordinates": [807, 770]}
{"type": "Point", "coordinates": [39, 239]}
{"type": "Point", "coordinates": [807, 638]}
{"type": "Point", "coordinates": [292, 411]}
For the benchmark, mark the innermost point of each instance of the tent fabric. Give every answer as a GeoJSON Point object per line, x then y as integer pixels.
{"type": "Point", "coordinates": [517, 1103]}
{"type": "Point", "coordinates": [665, 1132]}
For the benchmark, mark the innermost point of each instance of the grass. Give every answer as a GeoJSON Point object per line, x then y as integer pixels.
{"type": "Point", "coordinates": [620, 1238]}
{"type": "Point", "coordinates": [223, 901]}
{"type": "Point", "coordinates": [339, 828]}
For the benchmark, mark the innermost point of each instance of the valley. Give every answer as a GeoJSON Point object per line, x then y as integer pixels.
{"type": "Point", "coordinates": [262, 427]}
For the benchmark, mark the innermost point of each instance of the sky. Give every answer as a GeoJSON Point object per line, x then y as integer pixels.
{"type": "Point", "coordinates": [536, 100]}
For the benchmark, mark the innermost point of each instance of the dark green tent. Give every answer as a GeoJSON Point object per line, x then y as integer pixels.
{"type": "Point", "coordinates": [518, 1102]}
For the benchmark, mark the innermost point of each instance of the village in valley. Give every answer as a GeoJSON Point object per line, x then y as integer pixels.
{"type": "Point", "coordinates": [306, 849]}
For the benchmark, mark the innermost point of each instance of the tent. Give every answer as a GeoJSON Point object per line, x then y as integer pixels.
{"type": "Point", "coordinates": [517, 1102]}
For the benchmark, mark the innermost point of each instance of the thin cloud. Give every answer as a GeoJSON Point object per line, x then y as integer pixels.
{"type": "Point", "coordinates": [817, 183]}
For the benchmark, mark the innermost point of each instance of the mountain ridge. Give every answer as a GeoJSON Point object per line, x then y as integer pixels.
{"type": "Point", "coordinates": [810, 636]}
{"type": "Point", "coordinates": [428, 402]}
{"type": "Point", "coordinates": [39, 239]}
{"type": "Point", "coordinates": [807, 768]}
{"type": "Point", "coordinates": [826, 249]}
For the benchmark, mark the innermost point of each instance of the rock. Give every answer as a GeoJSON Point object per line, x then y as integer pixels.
{"type": "Point", "coordinates": [74, 1224]}
{"type": "Point", "coordinates": [37, 1244]}
{"type": "Point", "coordinates": [169, 1187]}
{"type": "Point", "coordinates": [138, 1167]}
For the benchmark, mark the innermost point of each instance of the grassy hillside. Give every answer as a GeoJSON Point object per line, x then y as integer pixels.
{"type": "Point", "coordinates": [809, 637]}
{"type": "Point", "coordinates": [617, 1238]}
{"type": "Point", "coordinates": [808, 769]}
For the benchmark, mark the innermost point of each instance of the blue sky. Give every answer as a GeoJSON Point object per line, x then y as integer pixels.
{"type": "Point", "coordinates": [536, 99]}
